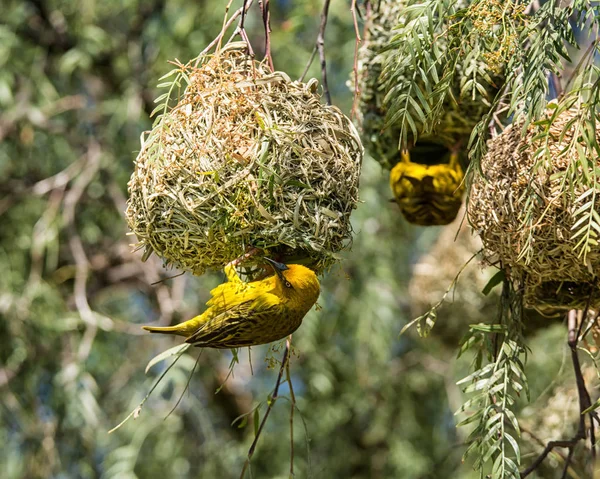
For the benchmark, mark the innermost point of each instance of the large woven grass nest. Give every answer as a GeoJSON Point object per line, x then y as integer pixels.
{"type": "Point", "coordinates": [528, 215]}
{"type": "Point", "coordinates": [247, 157]}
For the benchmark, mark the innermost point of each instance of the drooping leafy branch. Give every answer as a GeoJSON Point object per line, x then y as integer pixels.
{"type": "Point", "coordinates": [498, 380]}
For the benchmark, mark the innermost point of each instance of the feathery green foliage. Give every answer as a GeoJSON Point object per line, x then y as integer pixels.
{"type": "Point", "coordinates": [440, 73]}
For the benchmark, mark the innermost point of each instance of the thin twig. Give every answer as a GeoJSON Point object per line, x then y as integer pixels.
{"type": "Point", "coordinates": [241, 30]}
{"type": "Point", "coordinates": [308, 64]}
{"type": "Point", "coordinates": [321, 50]}
{"type": "Point", "coordinates": [226, 24]}
{"type": "Point", "coordinates": [567, 463]}
{"type": "Point", "coordinates": [187, 386]}
{"type": "Point", "coordinates": [585, 58]}
{"type": "Point", "coordinates": [584, 402]}
{"type": "Point", "coordinates": [292, 406]}
{"type": "Point", "coordinates": [136, 412]}
{"type": "Point", "coordinates": [355, 68]}
{"type": "Point", "coordinates": [266, 16]}
{"type": "Point", "coordinates": [270, 405]}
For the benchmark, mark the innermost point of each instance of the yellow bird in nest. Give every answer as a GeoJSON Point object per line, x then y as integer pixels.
{"type": "Point", "coordinates": [247, 314]}
{"type": "Point", "coordinates": [428, 194]}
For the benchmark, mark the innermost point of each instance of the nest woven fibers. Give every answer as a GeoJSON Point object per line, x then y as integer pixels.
{"type": "Point", "coordinates": [247, 158]}
{"type": "Point", "coordinates": [528, 208]}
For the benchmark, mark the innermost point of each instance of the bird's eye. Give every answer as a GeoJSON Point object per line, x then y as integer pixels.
{"type": "Point", "coordinates": [287, 284]}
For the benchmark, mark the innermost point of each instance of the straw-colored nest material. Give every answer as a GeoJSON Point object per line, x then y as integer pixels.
{"type": "Point", "coordinates": [556, 297]}
{"type": "Point", "coordinates": [247, 157]}
{"type": "Point", "coordinates": [525, 211]}
{"type": "Point", "coordinates": [381, 141]}
{"type": "Point", "coordinates": [436, 270]}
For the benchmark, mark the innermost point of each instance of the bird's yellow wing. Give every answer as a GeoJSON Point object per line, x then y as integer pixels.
{"type": "Point", "coordinates": [246, 323]}
{"type": "Point", "coordinates": [231, 293]}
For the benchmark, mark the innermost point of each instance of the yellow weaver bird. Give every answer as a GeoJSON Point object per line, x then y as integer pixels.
{"type": "Point", "coordinates": [247, 314]}
{"type": "Point", "coordinates": [428, 194]}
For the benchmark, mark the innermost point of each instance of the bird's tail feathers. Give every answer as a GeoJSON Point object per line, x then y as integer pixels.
{"type": "Point", "coordinates": [165, 330]}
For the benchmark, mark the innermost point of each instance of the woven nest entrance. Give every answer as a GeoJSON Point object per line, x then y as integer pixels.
{"type": "Point", "coordinates": [247, 157]}
{"type": "Point", "coordinates": [529, 207]}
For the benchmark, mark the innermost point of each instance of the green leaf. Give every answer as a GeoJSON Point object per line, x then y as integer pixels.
{"type": "Point", "coordinates": [494, 281]}
{"type": "Point", "coordinates": [513, 443]}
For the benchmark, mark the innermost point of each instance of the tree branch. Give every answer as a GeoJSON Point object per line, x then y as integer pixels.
{"type": "Point", "coordinates": [321, 49]}
{"type": "Point", "coordinates": [270, 403]}
{"type": "Point", "coordinates": [266, 16]}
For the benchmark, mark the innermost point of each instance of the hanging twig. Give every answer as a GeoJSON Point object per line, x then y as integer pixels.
{"type": "Point", "coordinates": [292, 406]}
{"type": "Point", "coordinates": [585, 59]}
{"type": "Point", "coordinates": [584, 401]}
{"type": "Point", "coordinates": [320, 47]}
{"type": "Point", "coordinates": [266, 16]}
{"type": "Point", "coordinates": [241, 30]}
{"type": "Point", "coordinates": [355, 68]}
{"type": "Point", "coordinates": [187, 386]}
{"type": "Point", "coordinates": [308, 64]}
{"type": "Point", "coordinates": [226, 24]}
{"type": "Point", "coordinates": [321, 50]}
{"type": "Point", "coordinates": [270, 403]}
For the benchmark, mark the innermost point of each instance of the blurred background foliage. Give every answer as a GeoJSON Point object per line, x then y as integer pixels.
{"type": "Point", "coordinates": [76, 88]}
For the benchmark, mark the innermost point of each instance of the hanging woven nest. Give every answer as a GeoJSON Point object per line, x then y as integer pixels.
{"type": "Point", "coordinates": [556, 297]}
{"type": "Point", "coordinates": [247, 157]}
{"type": "Point", "coordinates": [530, 206]}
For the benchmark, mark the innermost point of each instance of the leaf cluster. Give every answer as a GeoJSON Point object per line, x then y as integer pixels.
{"type": "Point", "coordinates": [498, 380]}
{"type": "Point", "coordinates": [446, 57]}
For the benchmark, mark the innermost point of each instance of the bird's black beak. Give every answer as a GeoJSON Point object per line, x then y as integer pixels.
{"type": "Point", "coordinates": [277, 267]}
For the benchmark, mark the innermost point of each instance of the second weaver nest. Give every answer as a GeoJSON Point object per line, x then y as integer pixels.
{"type": "Point", "coordinates": [532, 206]}
{"type": "Point", "coordinates": [246, 158]}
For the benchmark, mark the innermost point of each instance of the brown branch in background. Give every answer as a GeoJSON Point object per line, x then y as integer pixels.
{"type": "Point", "coordinates": [556, 84]}
{"type": "Point", "coordinates": [242, 31]}
{"type": "Point", "coordinates": [148, 271]}
{"type": "Point", "coordinates": [271, 403]}
{"type": "Point", "coordinates": [76, 245]}
{"type": "Point", "coordinates": [584, 401]}
{"type": "Point", "coordinates": [321, 50]}
{"type": "Point", "coordinates": [266, 16]}
{"type": "Point", "coordinates": [355, 67]}
{"type": "Point", "coordinates": [82, 265]}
